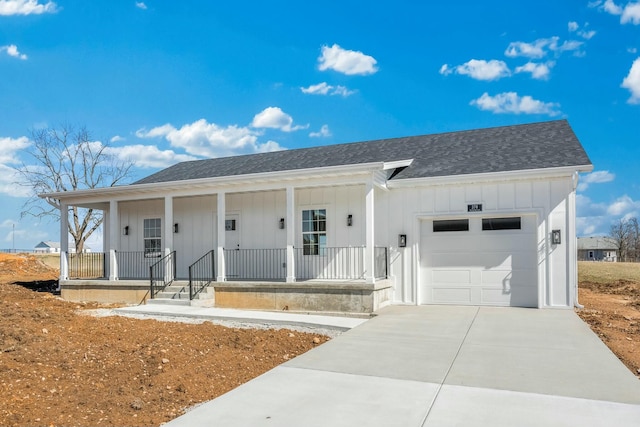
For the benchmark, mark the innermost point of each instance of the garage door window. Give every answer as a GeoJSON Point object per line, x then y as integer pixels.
{"type": "Point", "coordinates": [450, 225]}
{"type": "Point", "coordinates": [513, 223]}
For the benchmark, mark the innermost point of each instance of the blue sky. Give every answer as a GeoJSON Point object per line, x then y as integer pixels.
{"type": "Point", "coordinates": [167, 81]}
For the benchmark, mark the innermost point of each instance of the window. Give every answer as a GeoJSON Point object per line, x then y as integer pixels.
{"type": "Point", "coordinates": [229, 224]}
{"type": "Point", "coordinates": [501, 223]}
{"type": "Point", "coordinates": [152, 237]}
{"type": "Point", "coordinates": [314, 231]}
{"type": "Point", "coordinates": [450, 225]}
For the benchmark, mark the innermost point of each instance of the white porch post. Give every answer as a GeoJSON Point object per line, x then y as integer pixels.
{"type": "Point", "coordinates": [291, 234]}
{"type": "Point", "coordinates": [369, 249]}
{"type": "Point", "coordinates": [64, 241]}
{"type": "Point", "coordinates": [221, 236]}
{"type": "Point", "coordinates": [168, 235]}
{"type": "Point", "coordinates": [114, 230]}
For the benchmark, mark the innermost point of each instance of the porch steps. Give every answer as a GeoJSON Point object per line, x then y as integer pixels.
{"type": "Point", "coordinates": [178, 294]}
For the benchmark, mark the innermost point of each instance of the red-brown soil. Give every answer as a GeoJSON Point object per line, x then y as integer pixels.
{"type": "Point", "coordinates": [59, 367]}
{"type": "Point", "coordinates": [610, 294]}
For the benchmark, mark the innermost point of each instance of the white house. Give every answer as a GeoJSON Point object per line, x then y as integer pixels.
{"type": "Point", "coordinates": [597, 249]}
{"type": "Point", "coordinates": [480, 217]}
{"type": "Point", "coordinates": [47, 247]}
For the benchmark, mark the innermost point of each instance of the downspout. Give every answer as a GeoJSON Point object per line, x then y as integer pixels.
{"type": "Point", "coordinates": [576, 303]}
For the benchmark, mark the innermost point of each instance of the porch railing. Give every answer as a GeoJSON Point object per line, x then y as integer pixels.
{"type": "Point", "coordinates": [337, 263]}
{"type": "Point", "coordinates": [86, 265]}
{"type": "Point", "coordinates": [162, 273]}
{"type": "Point", "coordinates": [255, 264]}
{"type": "Point", "coordinates": [202, 273]}
{"type": "Point", "coordinates": [135, 265]}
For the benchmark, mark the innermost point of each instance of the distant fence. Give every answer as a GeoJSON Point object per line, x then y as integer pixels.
{"type": "Point", "coordinates": [19, 251]}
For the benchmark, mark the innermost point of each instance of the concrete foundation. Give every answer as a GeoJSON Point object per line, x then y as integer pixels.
{"type": "Point", "coordinates": [345, 297]}
{"type": "Point", "coordinates": [105, 291]}
{"type": "Point", "coordinates": [314, 296]}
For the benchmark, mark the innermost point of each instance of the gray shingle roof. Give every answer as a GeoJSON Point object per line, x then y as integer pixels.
{"type": "Point", "coordinates": [587, 243]}
{"type": "Point", "coordinates": [508, 148]}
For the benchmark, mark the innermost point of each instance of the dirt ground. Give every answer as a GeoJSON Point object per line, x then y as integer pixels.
{"type": "Point", "coordinates": [610, 294]}
{"type": "Point", "coordinates": [59, 367]}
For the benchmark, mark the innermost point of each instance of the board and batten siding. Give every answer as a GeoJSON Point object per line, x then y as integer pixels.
{"type": "Point", "coordinates": [339, 202]}
{"type": "Point", "coordinates": [258, 214]}
{"type": "Point", "coordinates": [401, 210]}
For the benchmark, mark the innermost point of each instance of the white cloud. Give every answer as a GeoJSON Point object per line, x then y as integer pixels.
{"type": "Point", "coordinates": [539, 48]}
{"type": "Point", "coordinates": [117, 138]}
{"type": "Point", "coordinates": [632, 82]}
{"type": "Point", "coordinates": [148, 156]}
{"type": "Point", "coordinates": [591, 218]}
{"type": "Point", "coordinates": [345, 61]}
{"type": "Point", "coordinates": [512, 103]}
{"type": "Point", "coordinates": [624, 207]}
{"type": "Point", "coordinates": [324, 132]}
{"type": "Point", "coordinates": [633, 50]}
{"type": "Point", "coordinates": [597, 177]}
{"type": "Point", "coordinates": [326, 89]}
{"type": "Point", "coordinates": [610, 7]}
{"type": "Point", "coordinates": [9, 147]}
{"type": "Point", "coordinates": [268, 147]}
{"type": "Point", "coordinates": [204, 139]}
{"type": "Point", "coordinates": [445, 70]}
{"type": "Point", "coordinates": [26, 7]}
{"type": "Point", "coordinates": [480, 69]}
{"type": "Point", "coordinates": [630, 12]}
{"type": "Point", "coordinates": [12, 50]}
{"type": "Point", "coordinates": [539, 71]}
{"type": "Point", "coordinates": [8, 186]}
{"type": "Point", "coordinates": [587, 35]}
{"type": "Point", "coordinates": [141, 5]}
{"type": "Point", "coordinates": [275, 118]}
{"type": "Point", "coordinates": [529, 50]}
{"type": "Point", "coordinates": [584, 33]}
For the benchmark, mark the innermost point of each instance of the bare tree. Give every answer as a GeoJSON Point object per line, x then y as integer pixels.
{"type": "Point", "coordinates": [66, 159]}
{"type": "Point", "coordinates": [634, 239]}
{"type": "Point", "coordinates": [624, 233]}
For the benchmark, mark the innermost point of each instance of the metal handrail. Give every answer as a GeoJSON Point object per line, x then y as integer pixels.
{"type": "Point", "coordinates": [202, 273]}
{"type": "Point", "coordinates": [158, 273]}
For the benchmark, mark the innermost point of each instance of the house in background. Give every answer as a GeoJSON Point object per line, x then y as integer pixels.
{"type": "Point", "coordinates": [597, 249]}
{"type": "Point", "coordinates": [47, 247]}
{"type": "Point", "coordinates": [479, 217]}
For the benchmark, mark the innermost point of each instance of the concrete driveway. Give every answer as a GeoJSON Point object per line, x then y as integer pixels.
{"type": "Point", "coordinates": [442, 366]}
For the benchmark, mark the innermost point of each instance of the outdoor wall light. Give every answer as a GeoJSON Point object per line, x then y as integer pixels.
{"type": "Point", "coordinates": [402, 240]}
{"type": "Point", "coordinates": [125, 230]}
{"type": "Point", "coordinates": [281, 224]}
{"type": "Point", "coordinates": [349, 220]}
{"type": "Point", "coordinates": [556, 238]}
{"type": "Point", "coordinates": [175, 227]}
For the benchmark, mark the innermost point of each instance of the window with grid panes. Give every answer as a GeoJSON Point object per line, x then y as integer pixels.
{"type": "Point", "coordinates": [314, 231]}
{"type": "Point", "coordinates": [152, 237]}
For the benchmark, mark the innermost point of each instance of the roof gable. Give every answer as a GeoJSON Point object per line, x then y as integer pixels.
{"type": "Point", "coordinates": [508, 148]}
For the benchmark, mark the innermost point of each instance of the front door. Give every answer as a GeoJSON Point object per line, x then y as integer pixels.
{"type": "Point", "coordinates": [232, 245]}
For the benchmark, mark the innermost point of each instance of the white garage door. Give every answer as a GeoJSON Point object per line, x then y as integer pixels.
{"type": "Point", "coordinates": [479, 261]}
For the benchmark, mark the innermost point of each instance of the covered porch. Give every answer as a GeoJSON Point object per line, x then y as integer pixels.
{"type": "Point", "coordinates": [279, 243]}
